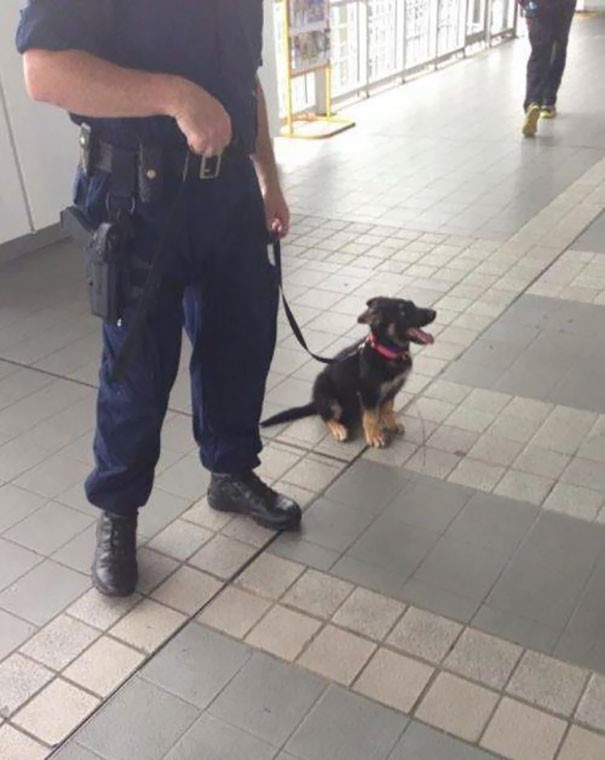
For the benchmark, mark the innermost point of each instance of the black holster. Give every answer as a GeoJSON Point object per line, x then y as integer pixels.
{"type": "Point", "coordinates": [105, 257]}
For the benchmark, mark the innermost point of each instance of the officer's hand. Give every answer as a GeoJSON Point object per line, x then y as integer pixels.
{"type": "Point", "coordinates": [203, 121]}
{"type": "Point", "coordinates": [277, 213]}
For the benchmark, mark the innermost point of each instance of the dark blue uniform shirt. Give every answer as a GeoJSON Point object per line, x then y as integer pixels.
{"type": "Point", "coordinates": [214, 43]}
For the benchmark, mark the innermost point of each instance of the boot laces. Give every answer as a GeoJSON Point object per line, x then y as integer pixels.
{"type": "Point", "coordinates": [257, 487]}
{"type": "Point", "coordinates": [121, 536]}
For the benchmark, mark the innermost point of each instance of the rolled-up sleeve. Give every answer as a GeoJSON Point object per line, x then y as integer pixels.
{"type": "Point", "coordinates": [65, 25]}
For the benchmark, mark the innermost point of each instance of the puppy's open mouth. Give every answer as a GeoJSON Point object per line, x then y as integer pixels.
{"type": "Point", "coordinates": [419, 336]}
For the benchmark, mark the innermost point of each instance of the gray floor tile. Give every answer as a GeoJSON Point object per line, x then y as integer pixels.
{"type": "Point", "coordinates": [467, 373]}
{"type": "Point", "coordinates": [522, 335]}
{"type": "Point", "coordinates": [581, 389]}
{"type": "Point", "coordinates": [393, 545]}
{"type": "Point", "coordinates": [522, 630]}
{"type": "Point", "coordinates": [332, 525]}
{"type": "Point", "coordinates": [43, 592]}
{"type": "Point", "coordinates": [187, 479]}
{"type": "Point", "coordinates": [196, 665]}
{"type": "Point", "coordinates": [212, 739]}
{"type": "Point", "coordinates": [530, 589]}
{"type": "Point", "coordinates": [462, 568]}
{"type": "Point", "coordinates": [291, 546]}
{"type": "Point", "coordinates": [142, 721]}
{"type": "Point", "coordinates": [493, 522]}
{"type": "Point", "coordinates": [161, 509]}
{"type": "Point", "coordinates": [493, 354]}
{"type": "Point", "coordinates": [78, 553]}
{"type": "Point", "coordinates": [565, 545]}
{"type": "Point", "coordinates": [593, 237]}
{"type": "Point", "coordinates": [439, 600]}
{"type": "Point", "coordinates": [73, 751]}
{"type": "Point", "coordinates": [153, 569]}
{"type": "Point", "coordinates": [345, 726]}
{"type": "Point", "coordinates": [268, 698]}
{"type": "Point", "coordinates": [429, 503]}
{"type": "Point", "coordinates": [15, 561]}
{"type": "Point", "coordinates": [582, 641]}
{"type": "Point", "coordinates": [367, 486]}
{"type": "Point", "coordinates": [537, 382]}
{"type": "Point", "coordinates": [17, 504]}
{"type": "Point", "coordinates": [49, 528]}
{"type": "Point", "coordinates": [420, 742]}
{"type": "Point", "coordinates": [13, 632]}
{"type": "Point", "coordinates": [587, 651]}
{"type": "Point", "coordinates": [368, 575]}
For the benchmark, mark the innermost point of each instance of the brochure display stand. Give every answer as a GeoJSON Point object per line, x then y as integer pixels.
{"type": "Point", "coordinates": [307, 51]}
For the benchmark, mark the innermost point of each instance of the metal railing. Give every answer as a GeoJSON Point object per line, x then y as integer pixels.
{"type": "Point", "coordinates": [375, 42]}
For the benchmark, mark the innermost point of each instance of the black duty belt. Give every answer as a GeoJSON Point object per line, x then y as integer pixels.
{"type": "Point", "coordinates": [153, 162]}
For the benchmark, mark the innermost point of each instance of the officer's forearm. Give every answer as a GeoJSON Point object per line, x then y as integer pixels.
{"type": "Point", "coordinates": [90, 86]}
{"type": "Point", "coordinates": [264, 157]}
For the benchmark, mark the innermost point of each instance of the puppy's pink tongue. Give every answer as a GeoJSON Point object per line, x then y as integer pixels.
{"type": "Point", "coordinates": [417, 334]}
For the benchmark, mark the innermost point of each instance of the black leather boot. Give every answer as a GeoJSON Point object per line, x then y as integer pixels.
{"type": "Point", "coordinates": [248, 495]}
{"type": "Point", "coordinates": [114, 569]}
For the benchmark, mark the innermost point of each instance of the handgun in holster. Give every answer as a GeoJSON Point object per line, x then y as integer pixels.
{"type": "Point", "coordinates": [104, 256]}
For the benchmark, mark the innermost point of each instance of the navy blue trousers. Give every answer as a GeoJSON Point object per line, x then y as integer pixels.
{"type": "Point", "coordinates": [220, 285]}
{"type": "Point", "coordinates": [548, 35]}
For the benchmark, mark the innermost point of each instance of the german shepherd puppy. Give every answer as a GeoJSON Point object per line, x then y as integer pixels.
{"type": "Point", "coordinates": [363, 380]}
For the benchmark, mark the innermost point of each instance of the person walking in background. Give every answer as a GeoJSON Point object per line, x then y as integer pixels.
{"type": "Point", "coordinates": [548, 23]}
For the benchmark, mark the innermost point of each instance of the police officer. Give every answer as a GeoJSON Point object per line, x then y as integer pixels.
{"type": "Point", "coordinates": [163, 87]}
{"type": "Point", "coordinates": [548, 23]}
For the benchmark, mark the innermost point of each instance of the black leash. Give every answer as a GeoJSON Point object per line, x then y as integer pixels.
{"type": "Point", "coordinates": [275, 241]}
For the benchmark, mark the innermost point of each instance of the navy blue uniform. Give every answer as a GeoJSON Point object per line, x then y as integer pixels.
{"type": "Point", "coordinates": [218, 281]}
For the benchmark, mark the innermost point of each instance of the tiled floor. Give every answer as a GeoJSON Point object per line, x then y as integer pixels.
{"type": "Point", "coordinates": [445, 599]}
{"type": "Point", "coordinates": [593, 237]}
{"type": "Point", "coordinates": [542, 349]}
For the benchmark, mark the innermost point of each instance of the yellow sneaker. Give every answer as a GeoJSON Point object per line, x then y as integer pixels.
{"type": "Point", "coordinates": [548, 112]}
{"type": "Point", "coordinates": [532, 115]}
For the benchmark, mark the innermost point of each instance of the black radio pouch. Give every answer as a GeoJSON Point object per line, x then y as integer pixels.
{"type": "Point", "coordinates": [104, 257]}
{"type": "Point", "coordinates": [105, 270]}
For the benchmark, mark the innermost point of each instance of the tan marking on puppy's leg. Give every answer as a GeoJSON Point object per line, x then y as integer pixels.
{"type": "Point", "coordinates": [338, 430]}
{"type": "Point", "coordinates": [371, 427]}
{"type": "Point", "coordinates": [388, 420]}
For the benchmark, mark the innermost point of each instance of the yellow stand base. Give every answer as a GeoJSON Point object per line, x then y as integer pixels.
{"type": "Point", "coordinates": [315, 127]}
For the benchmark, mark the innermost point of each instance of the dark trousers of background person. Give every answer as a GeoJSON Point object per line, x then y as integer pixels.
{"type": "Point", "coordinates": [548, 35]}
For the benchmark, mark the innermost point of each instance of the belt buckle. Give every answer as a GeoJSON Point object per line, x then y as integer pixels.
{"type": "Point", "coordinates": [210, 166]}
{"type": "Point", "coordinates": [85, 142]}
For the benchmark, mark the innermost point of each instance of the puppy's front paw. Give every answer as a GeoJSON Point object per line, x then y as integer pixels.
{"type": "Point", "coordinates": [338, 430]}
{"type": "Point", "coordinates": [374, 433]}
{"type": "Point", "coordinates": [376, 438]}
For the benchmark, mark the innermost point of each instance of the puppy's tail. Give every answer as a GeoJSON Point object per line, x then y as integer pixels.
{"type": "Point", "coordinates": [289, 415]}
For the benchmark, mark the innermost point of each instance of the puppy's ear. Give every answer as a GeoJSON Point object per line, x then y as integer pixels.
{"type": "Point", "coordinates": [371, 315]}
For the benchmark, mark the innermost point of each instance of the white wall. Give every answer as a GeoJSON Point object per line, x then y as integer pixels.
{"type": "Point", "coordinates": [45, 140]}
{"type": "Point", "coordinates": [14, 221]}
{"type": "Point", "coordinates": [38, 144]}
